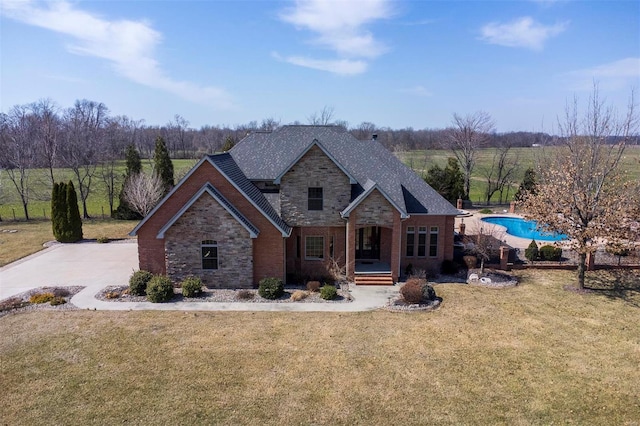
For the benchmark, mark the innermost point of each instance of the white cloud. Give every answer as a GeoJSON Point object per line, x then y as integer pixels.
{"type": "Point", "coordinates": [417, 91]}
{"type": "Point", "coordinates": [335, 66]}
{"type": "Point", "coordinates": [340, 27]}
{"type": "Point", "coordinates": [615, 75]}
{"type": "Point", "coordinates": [128, 45]}
{"type": "Point", "coordinates": [522, 32]}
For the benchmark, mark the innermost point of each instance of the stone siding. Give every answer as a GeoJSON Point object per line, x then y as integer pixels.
{"type": "Point", "coordinates": [374, 210]}
{"type": "Point", "coordinates": [314, 169]}
{"type": "Point", "coordinates": [208, 220]}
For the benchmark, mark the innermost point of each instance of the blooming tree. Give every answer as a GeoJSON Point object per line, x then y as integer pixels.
{"type": "Point", "coordinates": [582, 191]}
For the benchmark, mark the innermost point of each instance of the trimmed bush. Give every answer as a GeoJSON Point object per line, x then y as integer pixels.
{"type": "Point", "coordinates": [550, 252]}
{"type": "Point", "coordinates": [41, 298]}
{"type": "Point", "coordinates": [532, 253]}
{"type": "Point", "coordinates": [270, 288]}
{"type": "Point", "coordinates": [313, 286]}
{"type": "Point", "coordinates": [57, 300]}
{"type": "Point", "coordinates": [299, 295]}
{"type": "Point", "coordinates": [191, 287]}
{"type": "Point", "coordinates": [159, 289]}
{"type": "Point", "coordinates": [328, 292]}
{"type": "Point", "coordinates": [102, 240]}
{"type": "Point", "coordinates": [428, 293]}
{"type": "Point", "coordinates": [411, 291]}
{"type": "Point", "coordinates": [138, 282]}
{"type": "Point", "coordinates": [245, 295]}
{"type": "Point", "coordinates": [449, 267]}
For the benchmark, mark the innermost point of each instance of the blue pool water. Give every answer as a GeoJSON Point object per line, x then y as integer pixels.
{"type": "Point", "coordinates": [523, 228]}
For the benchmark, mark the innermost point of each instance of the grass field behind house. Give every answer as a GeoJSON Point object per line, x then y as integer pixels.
{"type": "Point", "coordinates": [533, 354]}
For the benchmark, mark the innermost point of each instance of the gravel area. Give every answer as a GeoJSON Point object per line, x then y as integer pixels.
{"type": "Point", "coordinates": [20, 302]}
{"type": "Point", "coordinates": [120, 294]}
{"type": "Point", "coordinates": [399, 305]}
{"type": "Point", "coordinates": [497, 279]}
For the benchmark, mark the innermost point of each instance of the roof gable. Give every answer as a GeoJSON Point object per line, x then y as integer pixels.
{"type": "Point", "coordinates": [227, 167]}
{"type": "Point", "coordinates": [369, 187]}
{"type": "Point", "coordinates": [230, 208]}
{"type": "Point", "coordinates": [313, 143]}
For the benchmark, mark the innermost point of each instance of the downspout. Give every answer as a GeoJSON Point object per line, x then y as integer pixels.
{"type": "Point", "coordinates": [284, 260]}
{"type": "Point", "coordinates": [400, 246]}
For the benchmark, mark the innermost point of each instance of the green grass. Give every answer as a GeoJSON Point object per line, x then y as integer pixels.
{"type": "Point", "coordinates": [421, 161]}
{"type": "Point", "coordinates": [533, 354]}
{"type": "Point", "coordinates": [39, 205]}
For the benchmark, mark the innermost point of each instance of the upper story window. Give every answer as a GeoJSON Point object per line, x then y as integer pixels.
{"type": "Point", "coordinates": [315, 199]}
{"type": "Point", "coordinates": [209, 250]}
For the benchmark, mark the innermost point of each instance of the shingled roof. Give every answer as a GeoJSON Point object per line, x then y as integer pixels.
{"type": "Point", "coordinates": [265, 156]}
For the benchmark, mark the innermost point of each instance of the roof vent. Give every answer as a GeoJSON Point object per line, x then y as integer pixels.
{"type": "Point", "coordinates": [374, 136]}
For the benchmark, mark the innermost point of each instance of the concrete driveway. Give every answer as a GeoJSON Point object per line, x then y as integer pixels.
{"type": "Point", "coordinates": [95, 266]}
{"type": "Point", "coordinates": [82, 264]}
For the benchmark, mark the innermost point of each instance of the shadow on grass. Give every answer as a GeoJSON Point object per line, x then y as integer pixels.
{"type": "Point", "coordinates": [616, 284]}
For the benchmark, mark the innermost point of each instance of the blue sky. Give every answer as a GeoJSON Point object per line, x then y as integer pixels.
{"type": "Point", "coordinates": [394, 63]}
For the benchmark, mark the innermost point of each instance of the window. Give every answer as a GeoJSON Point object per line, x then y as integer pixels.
{"type": "Point", "coordinates": [422, 241]}
{"type": "Point", "coordinates": [411, 239]}
{"type": "Point", "coordinates": [331, 247]}
{"type": "Point", "coordinates": [315, 199]}
{"type": "Point", "coordinates": [314, 248]}
{"type": "Point", "coordinates": [209, 250]}
{"type": "Point", "coordinates": [433, 241]}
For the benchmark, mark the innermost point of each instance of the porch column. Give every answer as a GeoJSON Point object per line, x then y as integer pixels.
{"type": "Point", "coordinates": [396, 246]}
{"type": "Point", "coordinates": [350, 247]}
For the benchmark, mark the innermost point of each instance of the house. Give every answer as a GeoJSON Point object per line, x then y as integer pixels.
{"type": "Point", "coordinates": [289, 202]}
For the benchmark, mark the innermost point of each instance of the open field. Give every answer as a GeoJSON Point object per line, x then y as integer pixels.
{"type": "Point", "coordinates": [40, 205]}
{"type": "Point", "coordinates": [533, 354]}
{"type": "Point", "coordinates": [421, 161]}
{"type": "Point", "coordinates": [20, 239]}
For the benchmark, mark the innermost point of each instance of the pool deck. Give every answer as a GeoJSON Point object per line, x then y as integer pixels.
{"type": "Point", "coordinates": [473, 224]}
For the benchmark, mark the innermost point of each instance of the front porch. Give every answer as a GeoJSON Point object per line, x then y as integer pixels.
{"type": "Point", "coordinates": [372, 272]}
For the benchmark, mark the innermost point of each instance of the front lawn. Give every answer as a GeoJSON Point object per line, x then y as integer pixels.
{"type": "Point", "coordinates": [532, 354]}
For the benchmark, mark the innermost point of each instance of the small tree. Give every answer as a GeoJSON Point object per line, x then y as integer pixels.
{"type": "Point", "coordinates": [484, 242]}
{"type": "Point", "coordinates": [528, 185]}
{"type": "Point", "coordinates": [163, 167]}
{"type": "Point", "coordinates": [531, 252]}
{"type": "Point", "coordinates": [134, 167]}
{"type": "Point", "coordinates": [142, 192]}
{"type": "Point", "coordinates": [229, 143]}
{"type": "Point", "coordinates": [448, 182]}
{"type": "Point", "coordinates": [65, 214]}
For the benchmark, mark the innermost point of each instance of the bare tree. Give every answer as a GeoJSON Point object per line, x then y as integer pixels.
{"type": "Point", "coordinates": [143, 191]}
{"type": "Point", "coordinates": [18, 151]}
{"type": "Point", "coordinates": [501, 173]}
{"type": "Point", "coordinates": [467, 135]}
{"type": "Point", "coordinates": [581, 190]}
{"type": "Point", "coordinates": [484, 240]}
{"type": "Point", "coordinates": [322, 118]}
{"type": "Point", "coordinates": [84, 124]}
{"type": "Point", "coordinates": [179, 137]}
{"type": "Point", "coordinates": [269, 124]}
{"type": "Point", "coordinates": [47, 132]}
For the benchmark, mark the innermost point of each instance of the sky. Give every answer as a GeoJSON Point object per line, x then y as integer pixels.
{"type": "Point", "coordinates": [396, 64]}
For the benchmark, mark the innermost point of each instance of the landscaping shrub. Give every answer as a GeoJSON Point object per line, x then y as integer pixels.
{"type": "Point", "coordinates": [42, 298]}
{"type": "Point", "coordinates": [299, 295]}
{"type": "Point", "coordinates": [57, 300]}
{"type": "Point", "coordinates": [60, 292]}
{"type": "Point", "coordinates": [486, 211]}
{"type": "Point", "coordinates": [532, 253]}
{"type": "Point", "coordinates": [411, 291]}
{"type": "Point", "coordinates": [428, 293]}
{"type": "Point", "coordinates": [245, 295]}
{"type": "Point", "coordinates": [313, 286]}
{"type": "Point", "coordinates": [328, 292]}
{"type": "Point", "coordinates": [470, 261]}
{"type": "Point", "coordinates": [103, 240]}
{"type": "Point", "coordinates": [159, 289]}
{"type": "Point", "coordinates": [270, 288]}
{"type": "Point", "coordinates": [408, 270]}
{"type": "Point", "coordinates": [449, 267]}
{"type": "Point", "coordinates": [12, 303]}
{"type": "Point", "coordinates": [191, 287]}
{"type": "Point", "coordinates": [112, 295]}
{"type": "Point", "coordinates": [550, 252]}
{"type": "Point", "coordinates": [138, 282]}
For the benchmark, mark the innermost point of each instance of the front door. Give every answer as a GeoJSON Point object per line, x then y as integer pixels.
{"type": "Point", "coordinates": [368, 243]}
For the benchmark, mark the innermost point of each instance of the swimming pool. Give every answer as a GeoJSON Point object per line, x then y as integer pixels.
{"type": "Point", "coordinates": [523, 228]}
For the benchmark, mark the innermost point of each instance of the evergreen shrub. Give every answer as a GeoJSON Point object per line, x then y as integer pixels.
{"type": "Point", "coordinates": [191, 286]}
{"type": "Point", "coordinates": [138, 282]}
{"type": "Point", "coordinates": [270, 288]}
{"type": "Point", "coordinates": [159, 289]}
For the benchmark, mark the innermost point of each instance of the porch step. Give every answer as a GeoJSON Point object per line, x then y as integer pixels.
{"type": "Point", "coordinates": [373, 279]}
